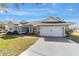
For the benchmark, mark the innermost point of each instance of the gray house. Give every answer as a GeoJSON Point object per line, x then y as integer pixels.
{"type": "Point", "coordinates": [52, 26]}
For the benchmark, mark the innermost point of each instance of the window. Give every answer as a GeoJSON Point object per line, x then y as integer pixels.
{"type": "Point", "coordinates": [15, 28]}
{"type": "Point", "coordinates": [10, 28]}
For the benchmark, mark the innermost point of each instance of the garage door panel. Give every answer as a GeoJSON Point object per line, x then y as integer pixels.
{"type": "Point", "coordinates": [51, 31]}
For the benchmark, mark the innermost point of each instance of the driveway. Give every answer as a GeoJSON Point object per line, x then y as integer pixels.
{"type": "Point", "coordinates": [58, 39]}
{"type": "Point", "coordinates": [47, 48]}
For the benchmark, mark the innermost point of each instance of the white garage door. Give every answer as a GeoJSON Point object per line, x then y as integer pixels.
{"type": "Point", "coordinates": [51, 31]}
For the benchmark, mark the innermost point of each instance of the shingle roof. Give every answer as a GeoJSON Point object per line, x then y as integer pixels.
{"type": "Point", "coordinates": [53, 20]}
{"type": "Point", "coordinates": [48, 21]}
{"type": "Point", "coordinates": [23, 22]}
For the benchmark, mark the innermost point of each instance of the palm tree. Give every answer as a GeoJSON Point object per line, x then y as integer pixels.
{"type": "Point", "coordinates": [4, 6]}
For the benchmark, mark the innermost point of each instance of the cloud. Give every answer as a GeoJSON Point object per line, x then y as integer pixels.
{"type": "Point", "coordinates": [32, 12]}
{"type": "Point", "coordinates": [20, 13]}
{"type": "Point", "coordinates": [70, 9]}
{"type": "Point", "coordinates": [54, 4]}
{"type": "Point", "coordinates": [42, 10]}
{"type": "Point", "coordinates": [74, 20]}
{"type": "Point", "coordinates": [68, 12]}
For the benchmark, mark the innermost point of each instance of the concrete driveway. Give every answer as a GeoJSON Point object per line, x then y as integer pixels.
{"type": "Point", "coordinates": [58, 39]}
{"type": "Point", "coordinates": [52, 48]}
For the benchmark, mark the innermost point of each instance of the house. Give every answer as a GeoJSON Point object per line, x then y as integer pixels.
{"type": "Point", "coordinates": [2, 30]}
{"type": "Point", "coordinates": [22, 27]}
{"type": "Point", "coordinates": [75, 29]}
{"type": "Point", "coordinates": [52, 26]}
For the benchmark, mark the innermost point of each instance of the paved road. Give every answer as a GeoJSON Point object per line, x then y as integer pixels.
{"type": "Point", "coordinates": [47, 48]}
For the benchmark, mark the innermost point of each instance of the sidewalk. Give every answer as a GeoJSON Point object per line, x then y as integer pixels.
{"type": "Point", "coordinates": [44, 48]}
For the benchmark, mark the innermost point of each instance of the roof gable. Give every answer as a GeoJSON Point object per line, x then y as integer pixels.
{"type": "Point", "coordinates": [9, 22]}
{"type": "Point", "coordinates": [53, 20]}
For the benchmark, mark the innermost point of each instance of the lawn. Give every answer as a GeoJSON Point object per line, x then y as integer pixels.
{"type": "Point", "coordinates": [13, 46]}
{"type": "Point", "coordinates": [75, 36]}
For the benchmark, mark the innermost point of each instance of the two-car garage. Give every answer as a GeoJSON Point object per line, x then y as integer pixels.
{"type": "Point", "coordinates": [53, 26]}
{"type": "Point", "coordinates": [52, 31]}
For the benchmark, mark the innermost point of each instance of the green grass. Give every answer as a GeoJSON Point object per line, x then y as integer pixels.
{"type": "Point", "coordinates": [14, 46]}
{"type": "Point", "coordinates": [75, 38]}
{"type": "Point", "coordinates": [5, 37]}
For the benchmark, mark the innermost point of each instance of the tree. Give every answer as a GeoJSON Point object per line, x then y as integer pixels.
{"type": "Point", "coordinates": [4, 6]}
{"type": "Point", "coordinates": [2, 25]}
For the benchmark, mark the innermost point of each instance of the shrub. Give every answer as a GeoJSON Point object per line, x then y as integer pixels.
{"type": "Point", "coordinates": [15, 33]}
{"type": "Point", "coordinates": [33, 33]}
{"type": "Point", "coordinates": [5, 37]}
{"type": "Point", "coordinates": [25, 33]}
{"type": "Point", "coordinates": [9, 33]}
{"type": "Point", "coordinates": [69, 32]}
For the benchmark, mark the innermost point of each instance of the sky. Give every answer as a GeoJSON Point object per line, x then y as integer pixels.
{"type": "Point", "coordinates": [32, 12]}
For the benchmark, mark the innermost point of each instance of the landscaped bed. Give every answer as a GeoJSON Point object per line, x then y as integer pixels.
{"type": "Point", "coordinates": [13, 46]}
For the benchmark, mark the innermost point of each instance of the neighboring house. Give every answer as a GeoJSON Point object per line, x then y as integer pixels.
{"type": "Point", "coordinates": [76, 29]}
{"type": "Point", "coordinates": [2, 30]}
{"type": "Point", "coordinates": [22, 27]}
{"type": "Point", "coordinates": [52, 26]}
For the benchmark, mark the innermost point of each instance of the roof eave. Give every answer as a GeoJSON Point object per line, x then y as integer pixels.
{"type": "Point", "coordinates": [55, 24]}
